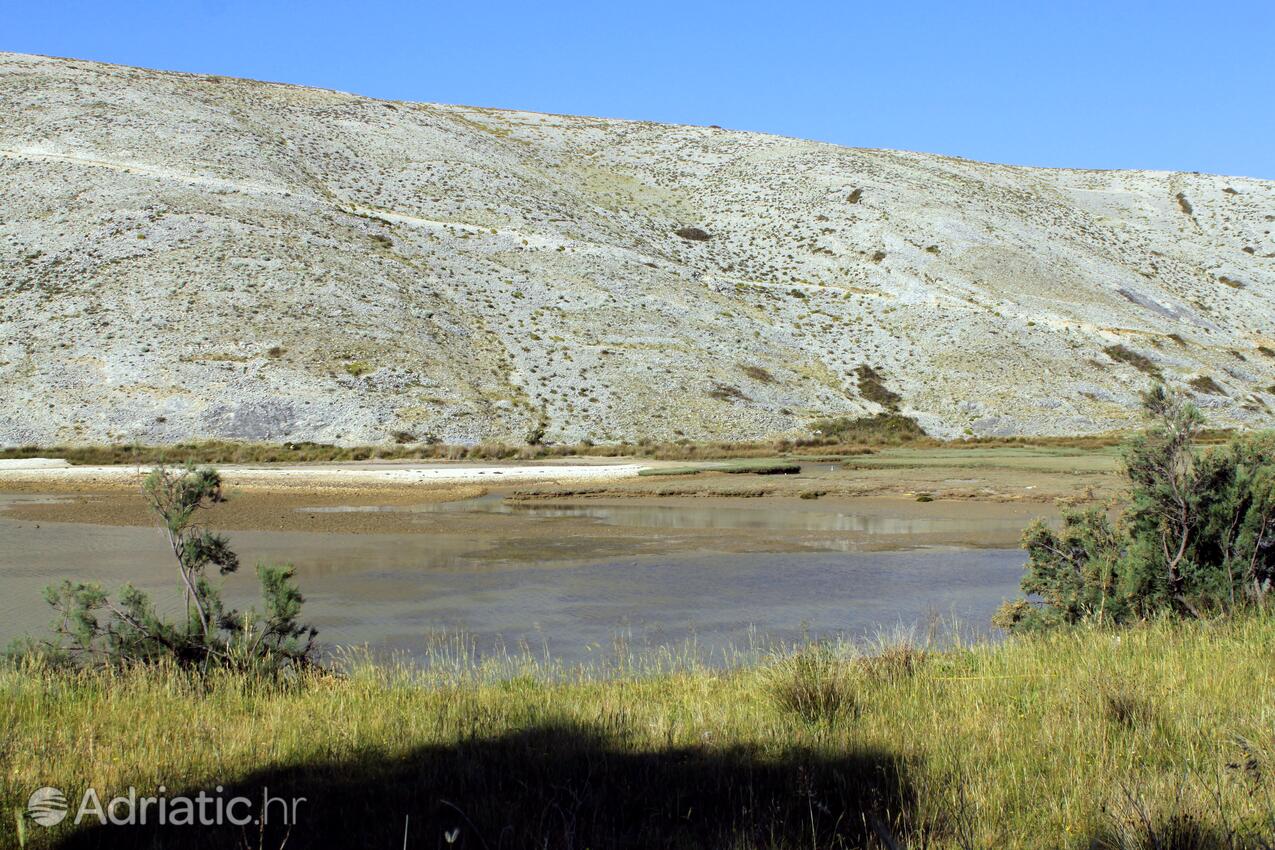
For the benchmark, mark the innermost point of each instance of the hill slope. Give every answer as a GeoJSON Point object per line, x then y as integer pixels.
{"type": "Point", "coordinates": [185, 256]}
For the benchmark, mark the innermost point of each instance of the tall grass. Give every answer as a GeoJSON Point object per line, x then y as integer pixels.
{"type": "Point", "coordinates": [1157, 736]}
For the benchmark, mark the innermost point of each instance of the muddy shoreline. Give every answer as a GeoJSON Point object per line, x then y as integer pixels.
{"type": "Point", "coordinates": [357, 499]}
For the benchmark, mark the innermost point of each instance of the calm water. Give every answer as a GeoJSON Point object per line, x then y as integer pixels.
{"type": "Point", "coordinates": [754, 515]}
{"type": "Point", "coordinates": [394, 592]}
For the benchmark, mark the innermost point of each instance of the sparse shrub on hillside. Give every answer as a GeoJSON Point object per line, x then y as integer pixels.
{"type": "Point", "coordinates": [757, 373]}
{"type": "Point", "coordinates": [1124, 355]}
{"type": "Point", "coordinates": [1196, 537]}
{"type": "Point", "coordinates": [693, 234]}
{"type": "Point", "coordinates": [357, 368]}
{"type": "Point", "coordinates": [726, 392]}
{"type": "Point", "coordinates": [1205, 384]}
{"type": "Point", "coordinates": [536, 434]}
{"type": "Point", "coordinates": [872, 387]}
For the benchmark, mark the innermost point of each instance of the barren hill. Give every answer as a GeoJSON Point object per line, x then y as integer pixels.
{"type": "Point", "coordinates": [185, 256]}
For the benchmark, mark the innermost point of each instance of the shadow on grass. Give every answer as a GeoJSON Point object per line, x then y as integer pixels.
{"type": "Point", "coordinates": [555, 786]}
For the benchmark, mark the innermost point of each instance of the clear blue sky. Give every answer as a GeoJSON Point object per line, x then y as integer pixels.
{"type": "Point", "coordinates": [1168, 85]}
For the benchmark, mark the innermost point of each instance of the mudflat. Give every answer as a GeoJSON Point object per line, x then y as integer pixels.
{"type": "Point", "coordinates": [927, 496]}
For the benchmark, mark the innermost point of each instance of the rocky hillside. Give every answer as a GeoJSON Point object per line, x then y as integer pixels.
{"type": "Point", "coordinates": [187, 256]}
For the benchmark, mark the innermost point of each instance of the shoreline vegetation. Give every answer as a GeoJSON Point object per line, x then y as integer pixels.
{"type": "Point", "coordinates": [837, 446]}
{"type": "Point", "coordinates": [831, 437]}
{"type": "Point", "coordinates": [1130, 707]}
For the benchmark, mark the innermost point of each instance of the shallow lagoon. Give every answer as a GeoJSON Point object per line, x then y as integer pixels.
{"type": "Point", "coordinates": [575, 593]}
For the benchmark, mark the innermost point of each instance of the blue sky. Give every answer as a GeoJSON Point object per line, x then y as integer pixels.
{"type": "Point", "coordinates": [1167, 85]}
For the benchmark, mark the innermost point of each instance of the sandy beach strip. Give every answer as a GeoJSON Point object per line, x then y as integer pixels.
{"type": "Point", "coordinates": [57, 472]}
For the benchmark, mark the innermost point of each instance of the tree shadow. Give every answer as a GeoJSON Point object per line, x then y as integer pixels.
{"type": "Point", "coordinates": [553, 786]}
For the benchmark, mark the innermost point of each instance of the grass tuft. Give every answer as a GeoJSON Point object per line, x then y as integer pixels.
{"type": "Point", "coordinates": [813, 684]}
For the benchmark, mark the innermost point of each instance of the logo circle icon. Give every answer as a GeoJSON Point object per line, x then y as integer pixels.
{"type": "Point", "coordinates": [47, 806]}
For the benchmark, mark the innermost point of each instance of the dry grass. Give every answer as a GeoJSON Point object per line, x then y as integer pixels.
{"type": "Point", "coordinates": [1078, 739]}
{"type": "Point", "coordinates": [842, 436]}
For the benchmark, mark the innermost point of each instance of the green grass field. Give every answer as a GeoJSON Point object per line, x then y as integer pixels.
{"type": "Point", "coordinates": [1157, 736]}
{"type": "Point", "coordinates": [1022, 459]}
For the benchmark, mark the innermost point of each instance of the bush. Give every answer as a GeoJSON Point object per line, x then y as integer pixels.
{"type": "Point", "coordinates": [1125, 355]}
{"type": "Point", "coordinates": [1197, 535]}
{"type": "Point", "coordinates": [1205, 384]}
{"type": "Point", "coordinates": [693, 234]}
{"type": "Point", "coordinates": [872, 387]}
{"type": "Point", "coordinates": [92, 629]}
{"type": "Point", "coordinates": [881, 428]}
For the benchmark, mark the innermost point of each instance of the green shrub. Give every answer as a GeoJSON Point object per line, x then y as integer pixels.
{"type": "Point", "coordinates": [693, 234]}
{"type": "Point", "coordinates": [887, 428]}
{"type": "Point", "coordinates": [1132, 358]}
{"type": "Point", "coordinates": [1207, 385]}
{"type": "Point", "coordinates": [1197, 535]}
{"type": "Point", "coordinates": [757, 373]}
{"type": "Point", "coordinates": [92, 629]}
{"type": "Point", "coordinates": [872, 387]}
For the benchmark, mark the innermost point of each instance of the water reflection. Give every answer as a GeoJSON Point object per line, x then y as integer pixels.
{"type": "Point", "coordinates": [767, 515]}
{"type": "Point", "coordinates": [393, 592]}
